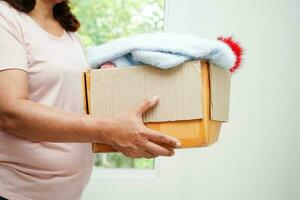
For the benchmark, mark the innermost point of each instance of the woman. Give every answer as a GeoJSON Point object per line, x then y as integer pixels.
{"type": "Point", "coordinates": [45, 137]}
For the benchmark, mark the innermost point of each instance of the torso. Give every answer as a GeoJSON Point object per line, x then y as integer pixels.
{"type": "Point", "coordinates": [55, 64]}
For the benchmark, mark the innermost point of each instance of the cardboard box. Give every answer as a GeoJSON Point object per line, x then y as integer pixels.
{"type": "Point", "coordinates": [194, 99]}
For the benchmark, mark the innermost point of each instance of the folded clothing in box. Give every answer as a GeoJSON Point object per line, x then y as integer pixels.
{"type": "Point", "coordinates": [194, 98]}
{"type": "Point", "coordinates": [166, 50]}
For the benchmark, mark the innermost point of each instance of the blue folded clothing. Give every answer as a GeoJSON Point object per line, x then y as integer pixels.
{"type": "Point", "coordinates": [162, 50]}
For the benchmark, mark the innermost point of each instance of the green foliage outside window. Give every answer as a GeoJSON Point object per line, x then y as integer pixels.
{"type": "Point", "coordinates": [105, 20]}
{"type": "Point", "coordinates": [117, 160]}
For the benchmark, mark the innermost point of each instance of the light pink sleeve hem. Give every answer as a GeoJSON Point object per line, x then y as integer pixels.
{"type": "Point", "coordinates": [9, 66]}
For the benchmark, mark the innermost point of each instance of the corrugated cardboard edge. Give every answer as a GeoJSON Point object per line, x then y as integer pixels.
{"type": "Point", "coordinates": [211, 127]}
{"type": "Point", "coordinates": [86, 91]}
{"type": "Point", "coordinates": [220, 93]}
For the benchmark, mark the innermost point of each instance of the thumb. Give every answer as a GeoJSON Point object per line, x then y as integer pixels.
{"type": "Point", "coordinates": [146, 105]}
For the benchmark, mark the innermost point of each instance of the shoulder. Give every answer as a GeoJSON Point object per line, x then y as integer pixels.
{"type": "Point", "coordinates": [7, 10]}
{"type": "Point", "coordinates": [8, 13]}
{"type": "Point", "coordinates": [75, 37]}
{"type": "Point", "coordinates": [11, 19]}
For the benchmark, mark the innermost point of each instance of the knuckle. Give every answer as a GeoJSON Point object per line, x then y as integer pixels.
{"type": "Point", "coordinates": [139, 142]}
{"type": "Point", "coordinates": [152, 136]}
{"type": "Point", "coordinates": [147, 103]}
{"type": "Point", "coordinates": [143, 132]}
{"type": "Point", "coordinates": [124, 145]}
{"type": "Point", "coordinates": [135, 112]}
{"type": "Point", "coordinates": [140, 131]}
{"type": "Point", "coordinates": [162, 138]}
{"type": "Point", "coordinates": [139, 139]}
{"type": "Point", "coordinates": [134, 148]}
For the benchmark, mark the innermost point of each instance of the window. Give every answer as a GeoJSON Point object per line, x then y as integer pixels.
{"type": "Point", "coordinates": [105, 20]}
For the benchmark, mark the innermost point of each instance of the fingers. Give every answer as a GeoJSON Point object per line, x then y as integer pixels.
{"type": "Point", "coordinates": [139, 154]}
{"type": "Point", "coordinates": [160, 138]}
{"type": "Point", "coordinates": [146, 105]}
{"type": "Point", "coordinates": [158, 150]}
{"type": "Point", "coordinates": [149, 155]}
{"type": "Point", "coordinates": [135, 153]}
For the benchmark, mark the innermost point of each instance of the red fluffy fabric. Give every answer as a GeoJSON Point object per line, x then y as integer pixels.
{"type": "Point", "coordinates": [237, 50]}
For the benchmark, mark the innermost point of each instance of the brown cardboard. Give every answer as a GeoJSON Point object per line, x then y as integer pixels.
{"type": "Point", "coordinates": [116, 90]}
{"type": "Point", "coordinates": [220, 90]}
{"type": "Point", "coordinates": [214, 99]}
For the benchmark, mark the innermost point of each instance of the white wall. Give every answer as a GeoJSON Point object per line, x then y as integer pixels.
{"type": "Point", "coordinates": [258, 153]}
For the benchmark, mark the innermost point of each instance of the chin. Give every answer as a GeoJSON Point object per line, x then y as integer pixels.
{"type": "Point", "coordinates": [58, 1]}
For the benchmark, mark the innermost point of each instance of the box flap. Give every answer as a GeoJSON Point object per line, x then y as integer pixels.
{"type": "Point", "coordinates": [119, 89]}
{"type": "Point", "coordinates": [220, 93]}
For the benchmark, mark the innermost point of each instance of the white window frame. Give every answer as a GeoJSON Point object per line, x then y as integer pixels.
{"type": "Point", "coordinates": [100, 173]}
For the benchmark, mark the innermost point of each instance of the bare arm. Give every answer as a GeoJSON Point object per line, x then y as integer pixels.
{"type": "Point", "coordinates": [35, 121]}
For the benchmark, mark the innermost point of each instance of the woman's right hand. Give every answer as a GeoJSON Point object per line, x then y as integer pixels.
{"type": "Point", "coordinates": [128, 134]}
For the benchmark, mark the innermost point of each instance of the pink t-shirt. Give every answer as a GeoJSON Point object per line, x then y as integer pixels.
{"type": "Point", "coordinates": [31, 170]}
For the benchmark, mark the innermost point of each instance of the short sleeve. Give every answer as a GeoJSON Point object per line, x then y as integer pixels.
{"type": "Point", "coordinates": [13, 53]}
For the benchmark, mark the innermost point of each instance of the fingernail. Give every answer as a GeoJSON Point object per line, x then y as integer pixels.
{"type": "Point", "coordinates": [173, 153]}
{"type": "Point", "coordinates": [155, 98]}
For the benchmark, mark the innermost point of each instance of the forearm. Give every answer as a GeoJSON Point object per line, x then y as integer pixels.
{"type": "Point", "coordinates": [43, 123]}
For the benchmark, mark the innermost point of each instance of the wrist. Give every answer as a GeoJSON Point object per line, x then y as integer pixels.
{"type": "Point", "coordinates": [100, 129]}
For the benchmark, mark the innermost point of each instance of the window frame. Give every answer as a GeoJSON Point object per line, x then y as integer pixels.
{"type": "Point", "coordinates": [100, 173]}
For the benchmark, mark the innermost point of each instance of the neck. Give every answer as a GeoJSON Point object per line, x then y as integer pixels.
{"type": "Point", "coordinates": [43, 10]}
